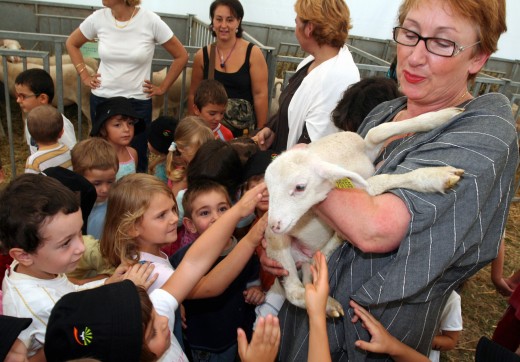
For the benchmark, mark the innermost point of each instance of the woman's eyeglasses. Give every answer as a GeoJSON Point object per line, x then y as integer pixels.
{"type": "Point", "coordinates": [438, 46]}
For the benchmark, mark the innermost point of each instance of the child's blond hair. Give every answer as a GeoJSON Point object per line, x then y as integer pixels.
{"type": "Point", "coordinates": [128, 201]}
{"type": "Point", "coordinates": [190, 134]}
{"type": "Point", "coordinates": [94, 153]}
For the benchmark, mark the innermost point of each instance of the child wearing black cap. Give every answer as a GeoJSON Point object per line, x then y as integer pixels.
{"type": "Point", "coordinates": [160, 138]}
{"type": "Point", "coordinates": [118, 123]}
{"type": "Point", "coordinates": [11, 348]}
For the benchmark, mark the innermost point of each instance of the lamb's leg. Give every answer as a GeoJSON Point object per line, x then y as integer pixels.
{"type": "Point", "coordinates": [278, 248]}
{"type": "Point", "coordinates": [426, 179]}
{"type": "Point", "coordinates": [376, 137]}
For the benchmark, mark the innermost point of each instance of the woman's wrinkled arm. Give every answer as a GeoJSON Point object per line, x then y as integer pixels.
{"type": "Point", "coordinates": [374, 224]}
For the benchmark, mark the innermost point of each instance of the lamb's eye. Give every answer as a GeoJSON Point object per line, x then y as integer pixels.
{"type": "Point", "coordinates": [300, 188]}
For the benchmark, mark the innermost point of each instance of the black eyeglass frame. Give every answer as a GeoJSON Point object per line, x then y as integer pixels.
{"type": "Point", "coordinates": [456, 47]}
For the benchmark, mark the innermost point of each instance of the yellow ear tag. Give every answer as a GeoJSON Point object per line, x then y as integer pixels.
{"type": "Point", "coordinates": [344, 183]}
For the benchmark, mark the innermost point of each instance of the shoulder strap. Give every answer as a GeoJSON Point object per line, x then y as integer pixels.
{"type": "Point", "coordinates": [211, 71]}
{"type": "Point", "coordinates": [248, 52]}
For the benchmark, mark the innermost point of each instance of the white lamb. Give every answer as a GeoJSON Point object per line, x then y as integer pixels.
{"type": "Point", "coordinates": [301, 178]}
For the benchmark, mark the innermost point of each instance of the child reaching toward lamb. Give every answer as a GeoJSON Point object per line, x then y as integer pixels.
{"type": "Point", "coordinates": [212, 322]}
{"type": "Point", "coordinates": [142, 218]}
{"type": "Point", "coordinates": [151, 324]}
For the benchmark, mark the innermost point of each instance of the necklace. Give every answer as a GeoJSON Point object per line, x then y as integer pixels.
{"type": "Point", "coordinates": [462, 96]}
{"type": "Point", "coordinates": [222, 60]}
{"type": "Point", "coordinates": [126, 22]}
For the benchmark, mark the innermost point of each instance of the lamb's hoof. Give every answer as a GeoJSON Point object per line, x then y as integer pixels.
{"type": "Point", "coordinates": [453, 177]}
{"type": "Point", "coordinates": [334, 308]}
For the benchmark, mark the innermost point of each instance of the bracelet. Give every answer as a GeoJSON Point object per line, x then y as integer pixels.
{"type": "Point", "coordinates": [79, 64]}
{"type": "Point", "coordinates": [82, 69]}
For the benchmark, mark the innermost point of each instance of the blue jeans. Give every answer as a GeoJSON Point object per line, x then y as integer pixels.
{"type": "Point", "coordinates": [140, 143]}
{"type": "Point", "coordinates": [228, 355]}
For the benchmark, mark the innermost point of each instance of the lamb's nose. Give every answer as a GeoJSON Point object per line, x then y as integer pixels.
{"type": "Point", "coordinates": [276, 227]}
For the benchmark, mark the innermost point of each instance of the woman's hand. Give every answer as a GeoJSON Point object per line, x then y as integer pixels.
{"type": "Point", "coordinates": [271, 265]}
{"type": "Point", "coordinates": [91, 81]}
{"type": "Point", "coordinates": [264, 138]}
{"type": "Point", "coordinates": [152, 90]}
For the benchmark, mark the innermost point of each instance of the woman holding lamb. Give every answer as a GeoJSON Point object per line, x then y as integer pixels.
{"type": "Point", "coordinates": [406, 251]}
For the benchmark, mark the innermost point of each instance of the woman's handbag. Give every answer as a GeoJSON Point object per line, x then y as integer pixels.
{"type": "Point", "coordinates": [239, 112]}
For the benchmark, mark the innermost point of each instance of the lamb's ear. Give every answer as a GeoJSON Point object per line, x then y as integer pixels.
{"type": "Point", "coordinates": [333, 173]}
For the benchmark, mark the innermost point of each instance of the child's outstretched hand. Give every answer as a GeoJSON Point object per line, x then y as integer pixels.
{"type": "Point", "coordinates": [141, 274]}
{"type": "Point", "coordinates": [254, 295]}
{"type": "Point", "coordinates": [264, 344]}
{"type": "Point", "coordinates": [317, 292]}
{"type": "Point", "coordinates": [247, 203]}
{"type": "Point", "coordinates": [381, 340]}
{"type": "Point", "coordinates": [256, 234]}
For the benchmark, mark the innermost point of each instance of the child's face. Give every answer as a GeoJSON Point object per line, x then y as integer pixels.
{"type": "Point", "coordinates": [102, 181]}
{"type": "Point", "coordinates": [212, 114]}
{"type": "Point", "coordinates": [206, 209]}
{"type": "Point", "coordinates": [157, 334]}
{"type": "Point", "coordinates": [62, 246]}
{"type": "Point", "coordinates": [120, 130]}
{"type": "Point", "coordinates": [158, 225]}
{"type": "Point", "coordinates": [263, 204]}
{"type": "Point", "coordinates": [26, 98]}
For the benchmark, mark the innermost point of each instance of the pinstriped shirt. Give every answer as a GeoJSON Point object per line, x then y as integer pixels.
{"type": "Point", "coordinates": [450, 237]}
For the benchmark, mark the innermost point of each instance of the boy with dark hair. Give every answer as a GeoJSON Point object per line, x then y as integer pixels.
{"type": "Point", "coordinates": [212, 322]}
{"type": "Point", "coordinates": [40, 228]}
{"type": "Point", "coordinates": [210, 104]}
{"type": "Point", "coordinates": [35, 87]}
{"type": "Point", "coordinates": [45, 124]}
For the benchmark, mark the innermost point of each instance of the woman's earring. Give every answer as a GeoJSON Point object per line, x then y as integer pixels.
{"type": "Point", "coordinates": [236, 31]}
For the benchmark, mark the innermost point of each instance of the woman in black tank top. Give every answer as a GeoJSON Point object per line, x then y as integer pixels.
{"type": "Point", "coordinates": [239, 65]}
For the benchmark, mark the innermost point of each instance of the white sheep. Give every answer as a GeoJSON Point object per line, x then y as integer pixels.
{"type": "Point", "coordinates": [65, 59]}
{"type": "Point", "coordinates": [300, 178]}
{"type": "Point", "coordinates": [174, 93]}
{"type": "Point", "coordinates": [13, 45]}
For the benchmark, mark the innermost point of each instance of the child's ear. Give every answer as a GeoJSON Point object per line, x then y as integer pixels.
{"type": "Point", "coordinates": [196, 110]}
{"type": "Point", "coordinates": [189, 225]}
{"type": "Point", "coordinates": [134, 230]}
{"type": "Point", "coordinates": [44, 99]}
{"type": "Point", "coordinates": [21, 256]}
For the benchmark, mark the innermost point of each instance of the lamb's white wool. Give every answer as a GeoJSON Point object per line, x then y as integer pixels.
{"type": "Point", "coordinates": [13, 45]}
{"type": "Point", "coordinates": [174, 93]}
{"type": "Point", "coordinates": [299, 179]}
